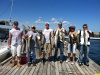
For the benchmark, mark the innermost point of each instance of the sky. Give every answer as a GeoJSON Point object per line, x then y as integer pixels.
{"type": "Point", "coordinates": [38, 12]}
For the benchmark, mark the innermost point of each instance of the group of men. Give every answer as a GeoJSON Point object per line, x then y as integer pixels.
{"type": "Point", "coordinates": [16, 35]}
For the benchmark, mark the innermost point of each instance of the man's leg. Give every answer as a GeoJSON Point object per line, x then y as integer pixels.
{"type": "Point", "coordinates": [86, 52]}
{"type": "Point", "coordinates": [69, 53]}
{"type": "Point", "coordinates": [13, 51]}
{"type": "Point", "coordinates": [61, 51]}
{"type": "Point", "coordinates": [34, 57]}
{"type": "Point", "coordinates": [49, 50]}
{"type": "Point", "coordinates": [74, 51]}
{"type": "Point", "coordinates": [80, 55]}
{"type": "Point", "coordinates": [18, 55]}
{"type": "Point", "coordinates": [28, 57]}
{"type": "Point", "coordinates": [45, 47]}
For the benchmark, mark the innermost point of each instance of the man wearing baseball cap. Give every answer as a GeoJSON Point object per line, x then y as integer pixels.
{"type": "Point", "coordinates": [33, 45]}
{"type": "Point", "coordinates": [15, 43]}
{"type": "Point", "coordinates": [47, 41]}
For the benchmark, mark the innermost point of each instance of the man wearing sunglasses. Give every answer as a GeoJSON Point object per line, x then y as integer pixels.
{"type": "Point", "coordinates": [59, 38]}
{"type": "Point", "coordinates": [84, 45]}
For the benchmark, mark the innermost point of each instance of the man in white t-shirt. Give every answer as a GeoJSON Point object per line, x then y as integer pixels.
{"type": "Point", "coordinates": [47, 40]}
{"type": "Point", "coordinates": [15, 43]}
{"type": "Point", "coordinates": [84, 45]}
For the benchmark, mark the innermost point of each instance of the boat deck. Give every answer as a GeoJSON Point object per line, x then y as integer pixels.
{"type": "Point", "coordinates": [51, 67]}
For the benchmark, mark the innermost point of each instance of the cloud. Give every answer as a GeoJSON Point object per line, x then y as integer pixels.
{"type": "Point", "coordinates": [55, 22]}
{"type": "Point", "coordinates": [53, 19]}
{"type": "Point", "coordinates": [40, 17]}
{"type": "Point", "coordinates": [39, 21]}
{"type": "Point", "coordinates": [65, 23]}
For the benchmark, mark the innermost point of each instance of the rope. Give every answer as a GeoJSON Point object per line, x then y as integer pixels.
{"type": "Point", "coordinates": [11, 10]}
{"type": "Point", "coordinates": [5, 10]}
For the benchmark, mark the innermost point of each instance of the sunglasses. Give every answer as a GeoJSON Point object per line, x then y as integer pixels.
{"type": "Point", "coordinates": [84, 27]}
{"type": "Point", "coordinates": [59, 24]}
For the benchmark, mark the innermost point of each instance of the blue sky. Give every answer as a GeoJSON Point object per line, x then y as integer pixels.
{"type": "Point", "coordinates": [38, 12]}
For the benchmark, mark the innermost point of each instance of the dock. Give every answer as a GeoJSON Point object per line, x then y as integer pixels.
{"type": "Point", "coordinates": [50, 67]}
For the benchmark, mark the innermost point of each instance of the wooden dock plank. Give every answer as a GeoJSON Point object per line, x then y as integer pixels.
{"type": "Point", "coordinates": [20, 70]}
{"type": "Point", "coordinates": [23, 71]}
{"type": "Point", "coordinates": [32, 70]}
{"type": "Point", "coordinates": [52, 68]}
{"type": "Point", "coordinates": [28, 69]}
{"type": "Point", "coordinates": [56, 68]}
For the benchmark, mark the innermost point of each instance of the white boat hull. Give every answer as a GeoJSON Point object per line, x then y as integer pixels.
{"type": "Point", "coordinates": [4, 53]}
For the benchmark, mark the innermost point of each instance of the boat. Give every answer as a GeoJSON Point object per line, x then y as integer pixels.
{"type": "Point", "coordinates": [5, 53]}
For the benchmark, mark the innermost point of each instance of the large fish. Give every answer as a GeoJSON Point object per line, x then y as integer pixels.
{"type": "Point", "coordinates": [29, 42]}
{"type": "Point", "coordinates": [23, 45]}
{"type": "Point", "coordinates": [38, 40]}
{"type": "Point", "coordinates": [23, 41]}
{"type": "Point", "coordinates": [57, 37]}
{"type": "Point", "coordinates": [85, 38]}
{"type": "Point", "coordinates": [71, 42]}
{"type": "Point", "coordinates": [51, 39]}
{"type": "Point", "coordinates": [79, 37]}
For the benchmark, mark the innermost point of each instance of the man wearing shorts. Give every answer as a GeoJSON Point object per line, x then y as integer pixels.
{"type": "Point", "coordinates": [15, 43]}
{"type": "Point", "coordinates": [72, 39]}
{"type": "Point", "coordinates": [47, 44]}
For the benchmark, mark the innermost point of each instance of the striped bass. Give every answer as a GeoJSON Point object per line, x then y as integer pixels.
{"type": "Point", "coordinates": [38, 40]}
{"type": "Point", "coordinates": [85, 38]}
{"type": "Point", "coordinates": [57, 37]}
{"type": "Point", "coordinates": [79, 37]}
{"type": "Point", "coordinates": [71, 42]}
{"type": "Point", "coordinates": [29, 42]}
{"type": "Point", "coordinates": [23, 45]}
{"type": "Point", "coordinates": [51, 39]}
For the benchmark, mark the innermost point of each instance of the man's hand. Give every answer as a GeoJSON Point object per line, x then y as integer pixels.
{"type": "Point", "coordinates": [23, 37]}
{"type": "Point", "coordinates": [9, 46]}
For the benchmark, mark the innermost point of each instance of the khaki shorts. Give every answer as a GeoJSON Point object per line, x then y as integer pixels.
{"type": "Point", "coordinates": [47, 46]}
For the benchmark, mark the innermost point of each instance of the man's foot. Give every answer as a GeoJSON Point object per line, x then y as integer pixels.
{"type": "Point", "coordinates": [73, 63]}
{"type": "Point", "coordinates": [87, 64]}
{"type": "Point", "coordinates": [55, 59]}
{"type": "Point", "coordinates": [67, 60]}
{"type": "Point", "coordinates": [28, 64]}
{"type": "Point", "coordinates": [18, 63]}
{"type": "Point", "coordinates": [61, 61]}
{"type": "Point", "coordinates": [34, 64]}
{"type": "Point", "coordinates": [48, 58]}
{"type": "Point", "coordinates": [80, 64]}
{"type": "Point", "coordinates": [13, 64]}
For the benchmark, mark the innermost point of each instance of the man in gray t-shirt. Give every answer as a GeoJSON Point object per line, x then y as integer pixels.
{"type": "Point", "coordinates": [33, 45]}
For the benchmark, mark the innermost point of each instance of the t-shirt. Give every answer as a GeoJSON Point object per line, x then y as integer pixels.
{"type": "Point", "coordinates": [46, 34]}
{"type": "Point", "coordinates": [34, 34]}
{"type": "Point", "coordinates": [82, 37]}
{"type": "Point", "coordinates": [75, 33]}
{"type": "Point", "coordinates": [16, 36]}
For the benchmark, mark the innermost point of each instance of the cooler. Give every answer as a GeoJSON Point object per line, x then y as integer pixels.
{"type": "Point", "coordinates": [23, 58]}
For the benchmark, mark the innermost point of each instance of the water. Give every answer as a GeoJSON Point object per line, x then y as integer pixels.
{"type": "Point", "coordinates": [94, 53]}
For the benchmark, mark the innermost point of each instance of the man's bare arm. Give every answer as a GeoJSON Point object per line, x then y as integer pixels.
{"type": "Point", "coordinates": [10, 40]}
